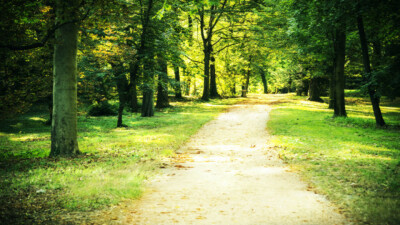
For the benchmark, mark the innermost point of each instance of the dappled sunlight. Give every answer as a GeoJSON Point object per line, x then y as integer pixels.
{"type": "Point", "coordinates": [390, 109]}
{"type": "Point", "coordinates": [30, 137]}
{"type": "Point", "coordinates": [35, 118]}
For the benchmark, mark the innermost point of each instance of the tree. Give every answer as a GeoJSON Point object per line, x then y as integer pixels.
{"type": "Point", "coordinates": [162, 86]}
{"type": "Point", "coordinates": [214, 13]}
{"type": "Point", "coordinates": [64, 123]}
{"type": "Point", "coordinates": [375, 99]}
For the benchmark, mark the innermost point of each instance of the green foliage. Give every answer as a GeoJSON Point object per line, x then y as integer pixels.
{"type": "Point", "coordinates": [102, 109]}
{"type": "Point", "coordinates": [348, 159]}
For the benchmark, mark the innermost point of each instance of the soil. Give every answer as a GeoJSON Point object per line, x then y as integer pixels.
{"type": "Point", "coordinates": [227, 174]}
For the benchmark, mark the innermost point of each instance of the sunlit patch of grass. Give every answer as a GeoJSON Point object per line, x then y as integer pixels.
{"type": "Point", "coordinates": [113, 167]}
{"type": "Point", "coordinates": [348, 159]}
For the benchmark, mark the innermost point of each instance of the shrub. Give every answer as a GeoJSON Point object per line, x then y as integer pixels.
{"type": "Point", "coordinates": [102, 109]}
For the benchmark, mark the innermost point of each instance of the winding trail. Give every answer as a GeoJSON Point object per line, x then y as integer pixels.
{"type": "Point", "coordinates": [226, 174]}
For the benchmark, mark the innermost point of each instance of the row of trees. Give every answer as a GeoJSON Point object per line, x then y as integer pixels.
{"type": "Point", "coordinates": [124, 49]}
{"type": "Point", "coordinates": [324, 31]}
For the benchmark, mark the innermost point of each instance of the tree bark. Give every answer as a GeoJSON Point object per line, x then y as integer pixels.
{"type": "Point", "coordinates": [148, 88]}
{"type": "Point", "coordinates": [367, 70]}
{"type": "Point", "coordinates": [233, 88]}
{"type": "Point", "coordinates": [147, 47]}
{"type": "Point", "coordinates": [264, 81]}
{"type": "Point", "coordinates": [187, 83]}
{"type": "Point", "coordinates": [162, 87]}
{"type": "Point", "coordinates": [64, 123]}
{"type": "Point", "coordinates": [314, 92]}
{"type": "Point", "coordinates": [122, 89]}
{"type": "Point", "coordinates": [134, 69]}
{"type": "Point", "coordinates": [213, 82]}
{"type": "Point", "coordinates": [340, 53]}
{"type": "Point", "coordinates": [178, 90]}
{"type": "Point", "coordinates": [206, 87]}
{"type": "Point", "coordinates": [332, 86]}
{"type": "Point", "coordinates": [245, 86]}
{"type": "Point", "coordinates": [247, 80]}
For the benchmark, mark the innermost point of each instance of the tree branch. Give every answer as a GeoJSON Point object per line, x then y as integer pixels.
{"type": "Point", "coordinates": [226, 46]}
{"type": "Point", "coordinates": [220, 14]}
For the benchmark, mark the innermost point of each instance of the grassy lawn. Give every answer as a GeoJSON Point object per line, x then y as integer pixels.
{"type": "Point", "coordinates": [348, 159]}
{"type": "Point", "coordinates": [116, 161]}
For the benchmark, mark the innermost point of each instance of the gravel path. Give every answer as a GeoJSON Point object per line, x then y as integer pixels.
{"type": "Point", "coordinates": [226, 174]}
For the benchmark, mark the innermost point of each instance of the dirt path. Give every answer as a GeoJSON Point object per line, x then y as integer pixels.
{"type": "Point", "coordinates": [227, 175]}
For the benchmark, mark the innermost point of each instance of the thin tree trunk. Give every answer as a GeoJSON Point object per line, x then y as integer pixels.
{"type": "Point", "coordinates": [162, 88]}
{"type": "Point", "coordinates": [64, 123]}
{"type": "Point", "coordinates": [247, 80]}
{"type": "Point", "coordinates": [264, 81]}
{"type": "Point", "coordinates": [178, 90]}
{"type": "Point", "coordinates": [122, 89]}
{"type": "Point", "coordinates": [206, 87]}
{"type": "Point", "coordinates": [340, 53]}
{"type": "Point", "coordinates": [213, 82]}
{"type": "Point", "coordinates": [367, 69]}
{"type": "Point", "coordinates": [245, 86]}
{"type": "Point", "coordinates": [332, 86]}
{"type": "Point", "coordinates": [187, 82]}
{"type": "Point", "coordinates": [134, 69]}
{"type": "Point", "coordinates": [233, 88]}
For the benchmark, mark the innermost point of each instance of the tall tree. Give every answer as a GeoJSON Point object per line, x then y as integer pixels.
{"type": "Point", "coordinates": [340, 54]}
{"type": "Point", "coordinates": [64, 123]}
{"type": "Point", "coordinates": [375, 99]}
{"type": "Point", "coordinates": [214, 12]}
{"type": "Point", "coordinates": [146, 54]}
{"type": "Point", "coordinates": [178, 90]}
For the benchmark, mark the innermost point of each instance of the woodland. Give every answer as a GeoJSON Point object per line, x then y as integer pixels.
{"type": "Point", "coordinates": [81, 78]}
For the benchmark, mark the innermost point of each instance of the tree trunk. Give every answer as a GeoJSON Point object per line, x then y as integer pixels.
{"type": "Point", "coordinates": [64, 123]}
{"type": "Point", "coordinates": [122, 89]}
{"type": "Point", "coordinates": [213, 83]}
{"type": "Point", "coordinates": [178, 90]}
{"type": "Point", "coordinates": [332, 86]}
{"type": "Point", "coordinates": [233, 88]}
{"type": "Point", "coordinates": [134, 69]}
{"type": "Point", "coordinates": [147, 47]}
{"type": "Point", "coordinates": [340, 53]}
{"type": "Point", "coordinates": [206, 87]}
{"type": "Point", "coordinates": [148, 89]}
{"type": "Point", "coordinates": [247, 80]}
{"type": "Point", "coordinates": [162, 87]}
{"type": "Point", "coordinates": [245, 86]}
{"type": "Point", "coordinates": [148, 102]}
{"type": "Point", "coordinates": [314, 92]}
{"type": "Point", "coordinates": [264, 81]}
{"type": "Point", "coordinates": [367, 70]}
{"type": "Point", "coordinates": [188, 81]}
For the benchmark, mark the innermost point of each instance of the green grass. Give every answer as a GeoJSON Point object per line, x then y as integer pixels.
{"type": "Point", "coordinates": [348, 159]}
{"type": "Point", "coordinates": [116, 161]}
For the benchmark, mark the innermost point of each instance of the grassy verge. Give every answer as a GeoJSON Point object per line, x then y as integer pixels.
{"type": "Point", "coordinates": [355, 164]}
{"type": "Point", "coordinates": [35, 189]}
